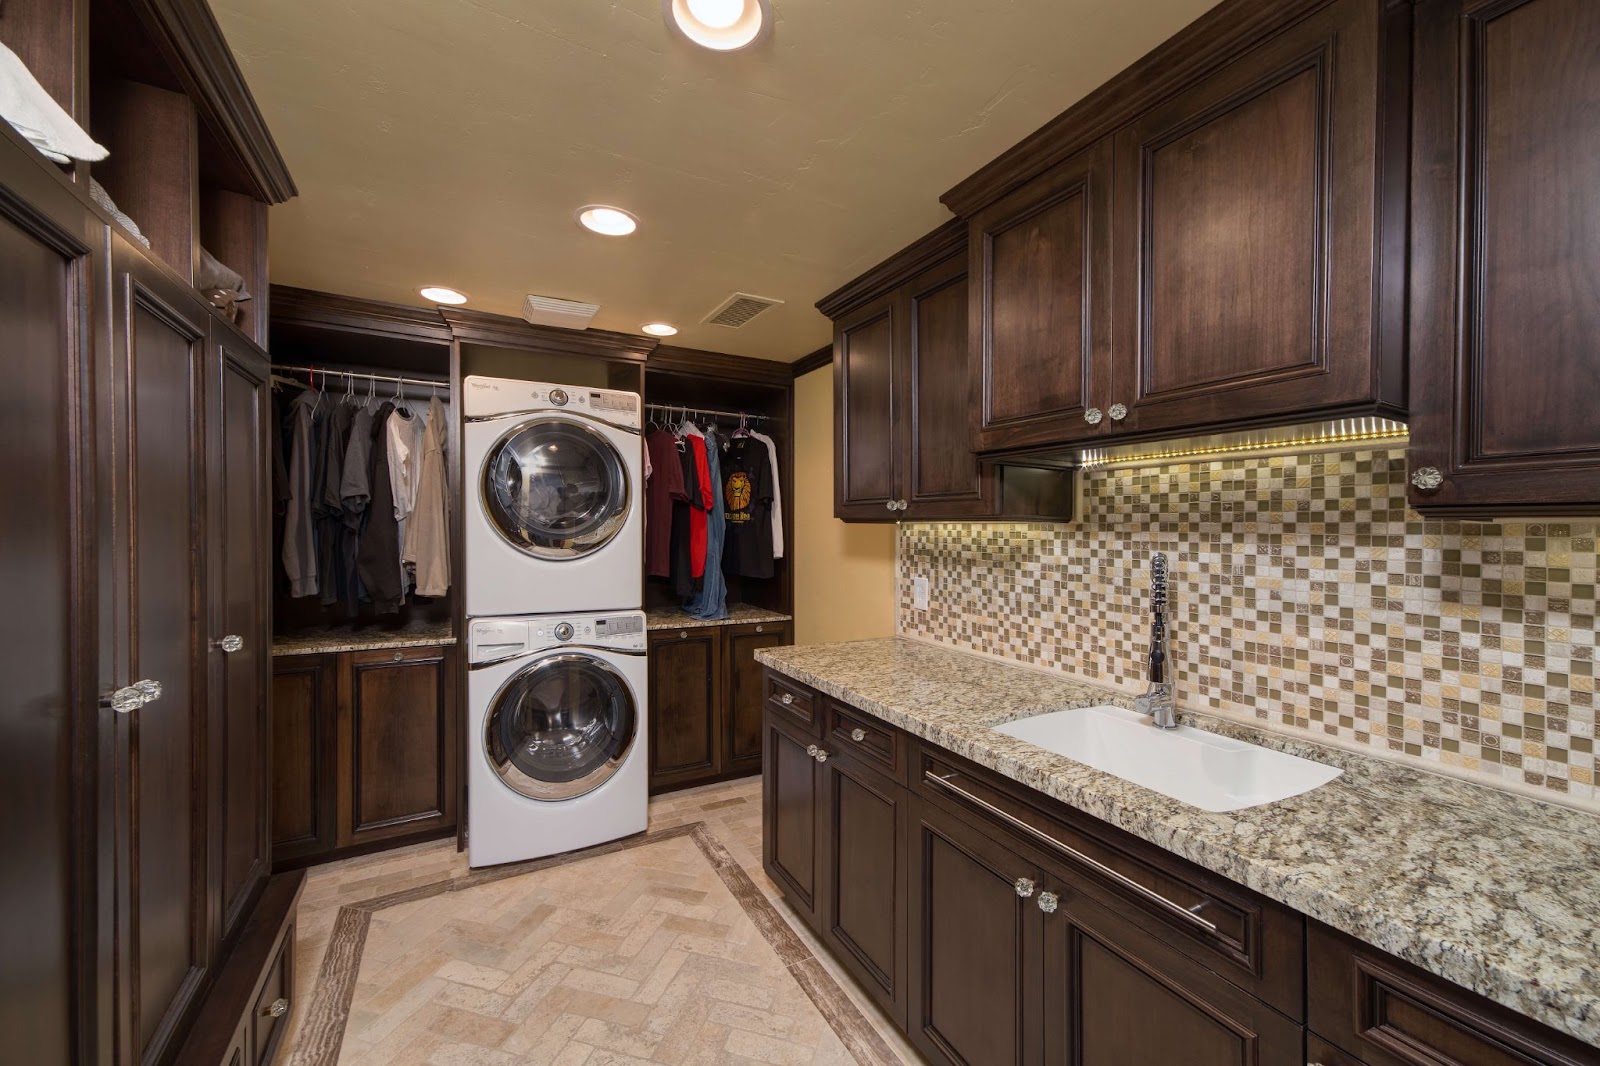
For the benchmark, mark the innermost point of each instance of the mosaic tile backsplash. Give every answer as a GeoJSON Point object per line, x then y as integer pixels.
{"type": "Point", "coordinates": [1305, 595]}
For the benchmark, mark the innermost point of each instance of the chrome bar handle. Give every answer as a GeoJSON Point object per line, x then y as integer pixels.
{"type": "Point", "coordinates": [1096, 865]}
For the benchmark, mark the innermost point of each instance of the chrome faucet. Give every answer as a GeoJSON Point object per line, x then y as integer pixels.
{"type": "Point", "coordinates": [1157, 701]}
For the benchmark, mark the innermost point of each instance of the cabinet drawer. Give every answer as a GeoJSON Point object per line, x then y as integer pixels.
{"type": "Point", "coordinates": [1250, 940]}
{"type": "Point", "coordinates": [270, 1016]}
{"type": "Point", "coordinates": [1383, 1011]}
{"type": "Point", "coordinates": [849, 731]}
{"type": "Point", "coordinates": [791, 701]}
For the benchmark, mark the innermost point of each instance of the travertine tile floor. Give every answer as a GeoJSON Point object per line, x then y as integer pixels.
{"type": "Point", "coordinates": [641, 955]}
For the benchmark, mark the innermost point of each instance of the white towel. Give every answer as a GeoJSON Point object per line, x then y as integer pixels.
{"type": "Point", "coordinates": [98, 194]}
{"type": "Point", "coordinates": [34, 113]}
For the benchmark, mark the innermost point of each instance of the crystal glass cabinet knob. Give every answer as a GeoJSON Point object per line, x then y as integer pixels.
{"type": "Point", "coordinates": [1427, 478]}
{"type": "Point", "coordinates": [231, 643]}
{"type": "Point", "coordinates": [279, 1007]}
{"type": "Point", "coordinates": [786, 699]}
{"type": "Point", "coordinates": [1093, 416]}
{"type": "Point", "coordinates": [858, 735]}
{"type": "Point", "coordinates": [1048, 901]}
{"type": "Point", "coordinates": [1024, 887]}
{"type": "Point", "coordinates": [1118, 412]}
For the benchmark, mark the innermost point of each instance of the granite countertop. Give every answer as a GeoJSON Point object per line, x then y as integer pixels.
{"type": "Point", "coordinates": [418, 634]}
{"type": "Point", "coordinates": [1487, 889]}
{"type": "Point", "coordinates": [738, 614]}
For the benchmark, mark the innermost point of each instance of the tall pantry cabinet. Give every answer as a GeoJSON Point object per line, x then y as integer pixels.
{"type": "Point", "coordinates": [140, 925]}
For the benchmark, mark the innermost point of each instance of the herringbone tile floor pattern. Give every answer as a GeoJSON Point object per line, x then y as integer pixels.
{"type": "Point", "coordinates": [669, 950]}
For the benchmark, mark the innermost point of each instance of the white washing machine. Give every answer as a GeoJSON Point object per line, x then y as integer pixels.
{"type": "Point", "coordinates": [555, 498]}
{"type": "Point", "coordinates": [556, 731]}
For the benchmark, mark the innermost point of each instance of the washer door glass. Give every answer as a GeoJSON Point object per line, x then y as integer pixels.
{"type": "Point", "coordinates": [560, 727]}
{"type": "Point", "coordinates": [555, 488]}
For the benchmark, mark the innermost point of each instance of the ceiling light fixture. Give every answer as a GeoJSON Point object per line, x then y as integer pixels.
{"type": "Point", "coordinates": [438, 294]}
{"type": "Point", "coordinates": [720, 25]}
{"type": "Point", "coordinates": [607, 221]}
{"type": "Point", "coordinates": [659, 329]}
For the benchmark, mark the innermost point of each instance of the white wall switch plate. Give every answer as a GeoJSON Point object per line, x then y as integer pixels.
{"type": "Point", "coordinates": [919, 593]}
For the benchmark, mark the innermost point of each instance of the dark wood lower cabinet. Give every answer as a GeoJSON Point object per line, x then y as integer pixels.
{"type": "Point", "coordinates": [397, 745]}
{"type": "Point", "coordinates": [865, 823]}
{"type": "Point", "coordinates": [365, 751]}
{"type": "Point", "coordinates": [961, 902]}
{"type": "Point", "coordinates": [976, 947]}
{"type": "Point", "coordinates": [789, 778]}
{"type": "Point", "coordinates": [706, 694]}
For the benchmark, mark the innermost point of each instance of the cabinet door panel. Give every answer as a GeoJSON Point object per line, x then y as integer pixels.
{"type": "Point", "coordinates": [864, 823]}
{"type": "Point", "coordinates": [1040, 306]}
{"type": "Point", "coordinates": [975, 946]}
{"type": "Point", "coordinates": [942, 477]}
{"type": "Point", "coordinates": [1506, 215]}
{"type": "Point", "coordinates": [745, 692]}
{"type": "Point", "coordinates": [168, 924]}
{"type": "Point", "coordinates": [789, 816]}
{"type": "Point", "coordinates": [239, 552]}
{"type": "Point", "coordinates": [684, 678]}
{"type": "Point", "coordinates": [1247, 234]}
{"type": "Point", "coordinates": [304, 742]}
{"type": "Point", "coordinates": [867, 474]}
{"type": "Point", "coordinates": [398, 745]}
{"type": "Point", "coordinates": [1113, 994]}
{"type": "Point", "coordinates": [47, 654]}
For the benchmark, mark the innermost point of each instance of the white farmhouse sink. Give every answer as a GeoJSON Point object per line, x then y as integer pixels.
{"type": "Point", "coordinates": [1211, 772]}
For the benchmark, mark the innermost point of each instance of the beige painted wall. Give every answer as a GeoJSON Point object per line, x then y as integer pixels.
{"type": "Point", "coordinates": [843, 572]}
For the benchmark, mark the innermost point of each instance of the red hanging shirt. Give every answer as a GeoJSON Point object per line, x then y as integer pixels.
{"type": "Point", "coordinates": [700, 509]}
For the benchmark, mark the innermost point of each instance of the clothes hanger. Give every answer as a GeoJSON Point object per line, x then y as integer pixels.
{"type": "Point", "coordinates": [316, 405]}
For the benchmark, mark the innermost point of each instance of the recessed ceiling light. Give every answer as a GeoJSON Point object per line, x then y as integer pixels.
{"type": "Point", "coordinates": [659, 329]}
{"type": "Point", "coordinates": [721, 25]}
{"type": "Point", "coordinates": [440, 295]}
{"type": "Point", "coordinates": [609, 221]}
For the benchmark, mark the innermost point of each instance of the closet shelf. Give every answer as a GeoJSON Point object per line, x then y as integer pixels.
{"type": "Point", "coordinates": [738, 614]}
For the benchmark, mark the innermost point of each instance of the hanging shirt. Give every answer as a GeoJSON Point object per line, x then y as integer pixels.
{"type": "Point", "coordinates": [747, 504]}
{"type": "Point", "coordinates": [700, 502]}
{"type": "Point", "coordinates": [777, 496]}
{"type": "Point", "coordinates": [711, 602]}
{"type": "Point", "coordinates": [683, 581]}
{"type": "Point", "coordinates": [427, 543]}
{"type": "Point", "coordinates": [378, 557]}
{"type": "Point", "coordinates": [299, 541]}
{"type": "Point", "coordinates": [664, 486]}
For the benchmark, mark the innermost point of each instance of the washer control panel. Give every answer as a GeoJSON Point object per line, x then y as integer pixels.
{"type": "Point", "coordinates": [494, 639]}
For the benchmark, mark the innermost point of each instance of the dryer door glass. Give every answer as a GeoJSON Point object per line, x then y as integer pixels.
{"type": "Point", "coordinates": [561, 726]}
{"type": "Point", "coordinates": [555, 488]}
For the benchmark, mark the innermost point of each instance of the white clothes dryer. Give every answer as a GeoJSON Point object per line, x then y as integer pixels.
{"type": "Point", "coordinates": [556, 731]}
{"type": "Point", "coordinates": [554, 498]}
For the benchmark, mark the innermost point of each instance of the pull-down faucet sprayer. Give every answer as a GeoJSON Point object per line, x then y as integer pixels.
{"type": "Point", "coordinates": [1157, 701]}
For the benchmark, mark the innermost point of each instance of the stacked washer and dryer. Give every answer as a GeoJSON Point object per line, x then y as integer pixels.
{"type": "Point", "coordinates": [556, 684]}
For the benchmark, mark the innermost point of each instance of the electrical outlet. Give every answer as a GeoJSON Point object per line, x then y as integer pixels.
{"type": "Point", "coordinates": [919, 593]}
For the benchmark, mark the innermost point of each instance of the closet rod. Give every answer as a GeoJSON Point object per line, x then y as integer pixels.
{"type": "Point", "coordinates": [690, 409]}
{"type": "Point", "coordinates": [445, 382]}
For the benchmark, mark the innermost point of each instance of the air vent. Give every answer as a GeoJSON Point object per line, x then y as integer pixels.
{"type": "Point", "coordinates": [738, 309]}
{"type": "Point", "coordinates": [549, 311]}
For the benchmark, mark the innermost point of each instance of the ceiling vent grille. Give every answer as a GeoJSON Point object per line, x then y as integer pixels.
{"type": "Point", "coordinates": [549, 311]}
{"type": "Point", "coordinates": [738, 309]}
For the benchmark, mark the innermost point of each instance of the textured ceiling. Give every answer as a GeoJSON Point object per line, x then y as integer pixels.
{"type": "Point", "coordinates": [450, 141]}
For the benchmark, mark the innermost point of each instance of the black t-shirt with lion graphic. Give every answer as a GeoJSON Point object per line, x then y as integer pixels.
{"type": "Point", "coordinates": [747, 505]}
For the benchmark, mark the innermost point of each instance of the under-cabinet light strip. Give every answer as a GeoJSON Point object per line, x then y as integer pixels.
{"type": "Point", "coordinates": [1335, 434]}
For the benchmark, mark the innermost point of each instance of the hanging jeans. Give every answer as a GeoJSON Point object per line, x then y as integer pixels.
{"type": "Point", "coordinates": [712, 600]}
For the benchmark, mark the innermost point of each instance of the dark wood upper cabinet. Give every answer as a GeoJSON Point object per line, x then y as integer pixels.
{"type": "Point", "coordinates": [1505, 307]}
{"type": "Point", "coordinates": [685, 682]}
{"type": "Point", "coordinates": [240, 555]}
{"type": "Point", "coordinates": [1040, 321]}
{"type": "Point", "coordinates": [904, 389]}
{"type": "Point", "coordinates": [940, 476]}
{"type": "Point", "coordinates": [867, 471]}
{"type": "Point", "coordinates": [398, 738]}
{"type": "Point", "coordinates": [1247, 235]}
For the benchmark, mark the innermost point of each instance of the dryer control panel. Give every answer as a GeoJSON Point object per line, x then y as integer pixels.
{"type": "Point", "coordinates": [488, 397]}
{"type": "Point", "coordinates": [493, 639]}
